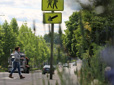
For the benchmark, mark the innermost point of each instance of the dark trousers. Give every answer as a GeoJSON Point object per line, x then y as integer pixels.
{"type": "Point", "coordinates": [16, 65]}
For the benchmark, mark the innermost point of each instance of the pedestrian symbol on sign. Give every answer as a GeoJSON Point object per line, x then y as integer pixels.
{"type": "Point", "coordinates": [49, 3]}
{"type": "Point", "coordinates": [55, 4]}
{"type": "Point", "coordinates": [52, 5]}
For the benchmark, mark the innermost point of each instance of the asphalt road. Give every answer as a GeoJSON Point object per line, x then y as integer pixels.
{"type": "Point", "coordinates": [37, 78]}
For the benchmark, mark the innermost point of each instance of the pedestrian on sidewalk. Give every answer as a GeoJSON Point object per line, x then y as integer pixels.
{"type": "Point", "coordinates": [16, 63]}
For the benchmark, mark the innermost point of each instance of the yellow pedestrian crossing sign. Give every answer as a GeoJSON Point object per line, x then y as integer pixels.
{"type": "Point", "coordinates": [52, 18]}
{"type": "Point", "coordinates": [52, 5]}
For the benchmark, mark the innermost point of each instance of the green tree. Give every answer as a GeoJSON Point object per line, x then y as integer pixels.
{"type": "Point", "coordinates": [47, 38]}
{"type": "Point", "coordinates": [56, 38]}
{"type": "Point", "coordinates": [1, 43]}
{"type": "Point", "coordinates": [91, 34]}
{"type": "Point", "coordinates": [85, 28]}
{"type": "Point", "coordinates": [9, 39]}
{"type": "Point", "coordinates": [69, 40]}
{"type": "Point", "coordinates": [14, 26]}
{"type": "Point", "coordinates": [34, 46]}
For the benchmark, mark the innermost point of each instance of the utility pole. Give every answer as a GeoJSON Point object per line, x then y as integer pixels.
{"type": "Point", "coordinates": [34, 29]}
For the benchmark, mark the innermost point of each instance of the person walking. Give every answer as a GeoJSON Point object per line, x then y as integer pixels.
{"type": "Point", "coordinates": [16, 63]}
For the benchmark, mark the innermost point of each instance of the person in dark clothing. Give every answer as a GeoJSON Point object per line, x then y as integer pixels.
{"type": "Point", "coordinates": [16, 63]}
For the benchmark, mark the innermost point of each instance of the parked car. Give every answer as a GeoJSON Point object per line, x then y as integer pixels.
{"type": "Point", "coordinates": [24, 63]}
{"type": "Point", "coordinates": [46, 69]}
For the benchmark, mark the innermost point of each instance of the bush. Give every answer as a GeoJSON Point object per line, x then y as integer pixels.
{"type": "Point", "coordinates": [2, 69]}
{"type": "Point", "coordinates": [93, 68]}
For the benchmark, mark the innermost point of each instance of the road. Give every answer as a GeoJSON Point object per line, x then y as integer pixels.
{"type": "Point", "coordinates": [37, 78]}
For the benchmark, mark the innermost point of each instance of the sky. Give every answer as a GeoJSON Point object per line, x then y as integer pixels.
{"type": "Point", "coordinates": [29, 10]}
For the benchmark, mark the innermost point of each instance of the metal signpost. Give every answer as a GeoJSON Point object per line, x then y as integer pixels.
{"type": "Point", "coordinates": [52, 18]}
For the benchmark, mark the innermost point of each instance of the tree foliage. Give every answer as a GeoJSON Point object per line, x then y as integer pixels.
{"type": "Point", "coordinates": [33, 46]}
{"type": "Point", "coordinates": [68, 39]}
{"type": "Point", "coordinates": [92, 33]}
{"type": "Point", "coordinates": [56, 38]}
{"type": "Point", "coordinates": [1, 42]}
{"type": "Point", "coordinates": [82, 32]}
{"type": "Point", "coordinates": [9, 42]}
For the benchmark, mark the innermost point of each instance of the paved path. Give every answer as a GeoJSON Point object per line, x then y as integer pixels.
{"type": "Point", "coordinates": [31, 79]}
{"type": "Point", "coordinates": [37, 78]}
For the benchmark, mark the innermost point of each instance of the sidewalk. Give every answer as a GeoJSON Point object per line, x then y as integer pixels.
{"type": "Point", "coordinates": [43, 80]}
{"type": "Point", "coordinates": [36, 78]}
{"type": "Point", "coordinates": [39, 79]}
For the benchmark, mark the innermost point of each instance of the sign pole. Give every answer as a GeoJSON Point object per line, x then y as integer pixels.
{"type": "Point", "coordinates": [51, 61]}
{"type": "Point", "coordinates": [53, 18]}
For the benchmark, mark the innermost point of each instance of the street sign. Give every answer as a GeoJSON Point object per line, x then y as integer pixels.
{"type": "Point", "coordinates": [52, 18]}
{"type": "Point", "coordinates": [52, 5]}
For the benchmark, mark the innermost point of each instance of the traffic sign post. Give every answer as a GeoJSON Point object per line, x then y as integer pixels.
{"type": "Point", "coordinates": [55, 18]}
{"type": "Point", "coordinates": [52, 18]}
{"type": "Point", "coordinates": [52, 5]}
{"type": "Point", "coordinates": [51, 61]}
